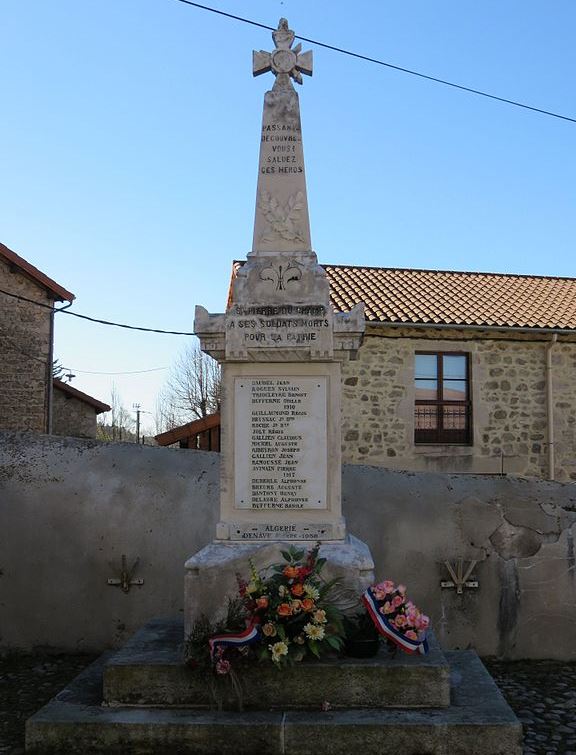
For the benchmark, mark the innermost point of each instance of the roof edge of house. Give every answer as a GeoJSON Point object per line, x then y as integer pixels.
{"type": "Point", "coordinates": [99, 406]}
{"type": "Point", "coordinates": [59, 292]}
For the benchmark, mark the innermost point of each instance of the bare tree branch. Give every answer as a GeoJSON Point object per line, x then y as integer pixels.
{"type": "Point", "coordinates": [192, 390]}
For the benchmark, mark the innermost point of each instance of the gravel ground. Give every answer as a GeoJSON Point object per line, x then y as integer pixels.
{"type": "Point", "coordinates": [542, 693]}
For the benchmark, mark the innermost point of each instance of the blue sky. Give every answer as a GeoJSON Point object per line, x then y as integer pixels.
{"type": "Point", "coordinates": [129, 142]}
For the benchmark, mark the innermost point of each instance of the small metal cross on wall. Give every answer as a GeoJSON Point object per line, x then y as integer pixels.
{"type": "Point", "coordinates": [126, 580]}
{"type": "Point", "coordinates": [460, 578]}
{"type": "Point", "coordinates": [283, 62]}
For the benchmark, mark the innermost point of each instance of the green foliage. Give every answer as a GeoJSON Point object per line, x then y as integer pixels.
{"type": "Point", "coordinates": [196, 647]}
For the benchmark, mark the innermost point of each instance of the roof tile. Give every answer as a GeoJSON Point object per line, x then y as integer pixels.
{"type": "Point", "coordinates": [448, 297]}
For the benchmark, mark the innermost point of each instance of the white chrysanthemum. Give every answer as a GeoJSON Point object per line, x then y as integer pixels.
{"type": "Point", "coordinates": [278, 649]}
{"type": "Point", "coordinates": [314, 632]}
{"type": "Point", "coordinates": [282, 591]}
{"type": "Point", "coordinates": [311, 591]}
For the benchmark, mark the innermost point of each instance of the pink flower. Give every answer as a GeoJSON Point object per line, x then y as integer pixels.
{"type": "Point", "coordinates": [401, 589]}
{"type": "Point", "coordinates": [411, 635]}
{"type": "Point", "coordinates": [385, 587]}
{"type": "Point", "coordinates": [386, 608]}
{"type": "Point", "coordinates": [223, 667]}
{"type": "Point", "coordinates": [422, 622]}
{"type": "Point", "coordinates": [397, 601]}
{"type": "Point", "coordinates": [400, 621]}
{"type": "Point", "coordinates": [412, 614]}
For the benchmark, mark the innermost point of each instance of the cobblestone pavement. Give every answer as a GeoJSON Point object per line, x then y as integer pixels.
{"type": "Point", "coordinates": [543, 696]}
{"type": "Point", "coordinates": [542, 693]}
{"type": "Point", "coordinates": [27, 682]}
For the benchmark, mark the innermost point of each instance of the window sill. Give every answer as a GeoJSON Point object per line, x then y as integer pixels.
{"type": "Point", "coordinates": [443, 449]}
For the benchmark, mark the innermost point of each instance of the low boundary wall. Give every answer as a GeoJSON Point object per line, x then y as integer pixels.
{"type": "Point", "coordinates": [69, 510]}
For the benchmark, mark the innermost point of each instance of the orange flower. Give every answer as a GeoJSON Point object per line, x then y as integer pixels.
{"type": "Point", "coordinates": [291, 572]}
{"type": "Point", "coordinates": [297, 589]}
{"type": "Point", "coordinates": [262, 602]}
{"type": "Point", "coordinates": [284, 609]}
{"type": "Point", "coordinates": [308, 604]}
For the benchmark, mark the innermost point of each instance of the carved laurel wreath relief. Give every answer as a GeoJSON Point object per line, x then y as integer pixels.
{"type": "Point", "coordinates": [283, 220]}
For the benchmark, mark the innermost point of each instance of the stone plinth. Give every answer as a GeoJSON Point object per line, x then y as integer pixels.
{"type": "Point", "coordinates": [79, 720]}
{"type": "Point", "coordinates": [149, 671]}
{"type": "Point", "coordinates": [211, 573]}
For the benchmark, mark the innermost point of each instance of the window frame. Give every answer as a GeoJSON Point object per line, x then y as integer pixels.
{"type": "Point", "coordinates": [440, 435]}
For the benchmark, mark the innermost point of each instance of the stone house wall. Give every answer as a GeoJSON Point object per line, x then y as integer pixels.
{"type": "Point", "coordinates": [72, 417]}
{"type": "Point", "coordinates": [25, 367]}
{"type": "Point", "coordinates": [509, 403]}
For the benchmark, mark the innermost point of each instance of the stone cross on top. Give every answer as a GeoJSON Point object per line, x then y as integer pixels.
{"type": "Point", "coordinates": [284, 62]}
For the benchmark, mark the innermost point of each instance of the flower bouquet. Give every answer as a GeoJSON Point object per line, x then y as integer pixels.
{"type": "Point", "coordinates": [397, 618]}
{"type": "Point", "coordinates": [283, 614]}
{"type": "Point", "coordinates": [291, 607]}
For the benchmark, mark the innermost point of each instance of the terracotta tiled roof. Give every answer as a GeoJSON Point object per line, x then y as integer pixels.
{"type": "Point", "coordinates": [57, 291]}
{"type": "Point", "coordinates": [98, 406]}
{"type": "Point", "coordinates": [454, 298]}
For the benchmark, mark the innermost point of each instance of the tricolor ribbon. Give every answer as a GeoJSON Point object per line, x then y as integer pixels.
{"type": "Point", "coordinates": [387, 630]}
{"type": "Point", "coordinates": [246, 637]}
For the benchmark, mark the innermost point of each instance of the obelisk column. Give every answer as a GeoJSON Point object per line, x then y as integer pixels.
{"type": "Point", "coordinates": [281, 221]}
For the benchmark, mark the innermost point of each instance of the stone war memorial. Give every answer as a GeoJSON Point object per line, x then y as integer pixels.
{"type": "Point", "coordinates": [279, 609]}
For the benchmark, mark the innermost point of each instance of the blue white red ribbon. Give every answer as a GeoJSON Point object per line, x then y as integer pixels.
{"type": "Point", "coordinates": [246, 637]}
{"type": "Point", "coordinates": [387, 630]}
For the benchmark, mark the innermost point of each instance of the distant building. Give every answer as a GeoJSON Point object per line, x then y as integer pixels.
{"type": "Point", "coordinates": [26, 343]}
{"type": "Point", "coordinates": [75, 413]}
{"type": "Point", "coordinates": [201, 435]}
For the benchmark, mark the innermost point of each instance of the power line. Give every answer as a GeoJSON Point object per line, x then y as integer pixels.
{"type": "Point", "coordinates": [131, 372]}
{"type": "Point", "coordinates": [352, 54]}
{"type": "Point", "coordinates": [66, 311]}
{"type": "Point", "coordinates": [122, 325]}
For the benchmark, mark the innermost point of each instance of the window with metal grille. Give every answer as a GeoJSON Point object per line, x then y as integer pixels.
{"type": "Point", "coordinates": [443, 410]}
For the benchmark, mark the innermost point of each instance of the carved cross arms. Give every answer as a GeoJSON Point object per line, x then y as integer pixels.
{"type": "Point", "coordinates": [283, 60]}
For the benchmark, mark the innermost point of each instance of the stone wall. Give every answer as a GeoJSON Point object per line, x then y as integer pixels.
{"type": "Point", "coordinates": [73, 417]}
{"type": "Point", "coordinates": [69, 510]}
{"type": "Point", "coordinates": [509, 403]}
{"type": "Point", "coordinates": [24, 353]}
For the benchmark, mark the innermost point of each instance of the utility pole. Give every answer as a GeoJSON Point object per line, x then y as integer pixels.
{"type": "Point", "coordinates": [137, 407]}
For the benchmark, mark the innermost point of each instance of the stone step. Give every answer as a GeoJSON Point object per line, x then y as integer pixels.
{"type": "Point", "coordinates": [478, 722]}
{"type": "Point", "coordinates": [149, 671]}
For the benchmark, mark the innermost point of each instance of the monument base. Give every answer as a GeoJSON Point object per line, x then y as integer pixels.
{"type": "Point", "coordinates": [211, 573]}
{"type": "Point", "coordinates": [138, 701]}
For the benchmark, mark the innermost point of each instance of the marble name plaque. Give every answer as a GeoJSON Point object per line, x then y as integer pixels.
{"type": "Point", "coordinates": [316, 531]}
{"type": "Point", "coordinates": [280, 446]}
